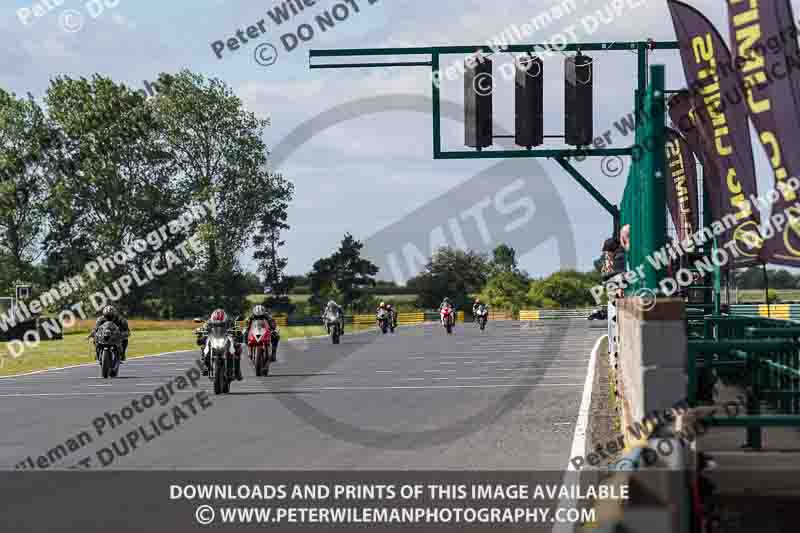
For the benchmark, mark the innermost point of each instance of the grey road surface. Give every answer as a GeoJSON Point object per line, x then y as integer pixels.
{"type": "Point", "coordinates": [506, 398]}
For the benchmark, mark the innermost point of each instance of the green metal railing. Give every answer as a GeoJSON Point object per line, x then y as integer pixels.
{"type": "Point", "coordinates": [760, 355]}
{"type": "Point", "coordinates": [644, 200]}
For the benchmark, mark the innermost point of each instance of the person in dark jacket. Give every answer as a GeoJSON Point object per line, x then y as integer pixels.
{"type": "Point", "coordinates": [614, 258]}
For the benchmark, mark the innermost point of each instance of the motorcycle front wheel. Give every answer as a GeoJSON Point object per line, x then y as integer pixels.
{"type": "Point", "coordinates": [219, 376]}
{"type": "Point", "coordinates": [267, 358]}
{"type": "Point", "coordinates": [105, 364]}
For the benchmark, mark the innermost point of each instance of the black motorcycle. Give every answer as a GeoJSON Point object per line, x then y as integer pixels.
{"type": "Point", "coordinates": [599, 314]}
{"type": "Point", "coordinates": [108, 346]}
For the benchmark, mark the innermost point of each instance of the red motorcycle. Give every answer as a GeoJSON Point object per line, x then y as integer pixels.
{"type": "Point", "coordinates": [448, 319]}
{"type": "Point", "coordinates": [259, 344]}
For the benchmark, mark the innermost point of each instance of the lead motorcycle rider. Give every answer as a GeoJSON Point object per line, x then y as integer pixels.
{"type": "Point", "coordinates": [260, 312]}
{"type": "Point", "coordinates": [446, 303]}
{"type": "Point", "coordinates": [219, 319]}
{"type": "Point", "coordinates": [330, 308]}
{"type": "Point", "coordinates": [110, 314]}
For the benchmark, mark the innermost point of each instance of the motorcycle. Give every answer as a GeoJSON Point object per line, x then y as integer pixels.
{"type": "Point", "coordinates": [448, 319]}
{"type": "Point", "coordinates": [218, 354]}
{"type": "Point", "coordinates": [259, 344]}
{"type": "Point", "coordinates": [333, 321]}
{"type": "Point", "coordinates": [598, 314]}
{"type": "Point", "coordinates": [482, 315]}
{"type": "Point", "coordinates": [108, 347]}
{"type": "Point", "coordinates": [383, 320]}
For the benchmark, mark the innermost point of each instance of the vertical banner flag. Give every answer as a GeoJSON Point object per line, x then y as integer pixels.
{"type": "Point", "coordinates": [725, 130]}
{"type": "Point", "coordinates": [764, 39]}
{"type": "Point", "coordinates": [680, 113]}
{"type": "Point", "coordinates": [681, 183]}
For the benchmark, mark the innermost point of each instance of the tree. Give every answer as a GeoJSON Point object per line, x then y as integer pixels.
{"type": "Point", "coordinates": [345, 270]}
{"type": "Point", "coordinates": [566, 288]}
{"type": "Point", "coordinates": [506, 290]}
{"type": "Point", "coordinates": [113, 181]}
{"type": "Point", "coordinates": [218, 149]}
{"type": "Point", "coordinates": [26, 146]}
{"type": "Point", "coordinates": [504, 258]}
{"type": "Point", "coordinates": [272, 221]}
{"type": "Point", "coordinates": [453, 273]}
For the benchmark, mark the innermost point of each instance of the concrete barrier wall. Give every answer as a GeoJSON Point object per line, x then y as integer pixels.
{"type": "Point", "coordinates": [652, 355]}
{"type": "Point", "coordinates": [650, 369]}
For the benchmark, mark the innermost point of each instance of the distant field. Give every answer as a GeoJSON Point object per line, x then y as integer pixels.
{"type": "Point", "coordinates": [757, 295]}
{"type": "Point", "coordinates": [303, 298]}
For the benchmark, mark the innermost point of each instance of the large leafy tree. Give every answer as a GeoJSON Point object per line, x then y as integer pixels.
{"type": "Point", "coordinates": [221, 157]}
{"type": "Point", "coordinates": [453, 273]}
{"type": "Point", "coordinates": [26, 144]}
{"type": "Point", "coordinates": [506, 290]}
{"type": "Point", "coordinates": [566, 288]}
{"type": "Point", "coordinates": [268, 241]}
{"type": "Point", "coordinates": [504, 258]}
{"type": "Point", "coordinates": [114, 179]}
{"type": "Point", "coordinates": [345, 271]}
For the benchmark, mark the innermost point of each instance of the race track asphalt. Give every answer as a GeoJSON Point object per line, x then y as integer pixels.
{"type": "Point", "coordinates": [505, 398]}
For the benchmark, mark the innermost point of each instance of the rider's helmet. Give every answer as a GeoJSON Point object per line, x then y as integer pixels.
{"type": "Point", "coordinates": [218, 322]}
{"type": "Point", "coordinates": [382, 306]}
{"type": "Point", "coordinates": [258, 311]}
{"type": "Point", "coordinates": [477, 301]}
{"type": "Point", "coordinates": [109, 312]}
{"type": "Point", "coordinates": [446, 300]}
{"type": "Point", "coordinates": [218, 318]}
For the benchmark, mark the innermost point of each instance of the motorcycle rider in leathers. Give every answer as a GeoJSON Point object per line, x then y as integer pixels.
{"type": "Point", "coordinates": [333, 308]}
{"type": "Point", "coordinates": [219, 319]}
{"type": "Point", "coordinates": [110, 314]}
{"type": "Point", "coordinates": [259, 312]}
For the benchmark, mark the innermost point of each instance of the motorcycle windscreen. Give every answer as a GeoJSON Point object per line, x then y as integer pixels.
{"type": "Point", "coordinates": [258, 329]}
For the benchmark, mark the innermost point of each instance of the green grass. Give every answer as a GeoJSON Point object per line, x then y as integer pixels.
{"type": "Point", "coordinates": [75, 349]}
{"type": "Point", "coordinates": [757, 295]}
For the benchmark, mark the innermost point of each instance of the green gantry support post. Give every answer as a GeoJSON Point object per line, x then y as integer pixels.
{"type": "Point", "coordinates": [653, 221]}
{"type": "Point", "coordinates": [437, 113]}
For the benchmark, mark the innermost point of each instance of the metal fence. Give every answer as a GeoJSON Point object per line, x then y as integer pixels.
{"type": "Point", "coordinates": [759, 355]}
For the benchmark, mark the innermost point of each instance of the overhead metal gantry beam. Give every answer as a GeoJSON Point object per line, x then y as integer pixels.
{"type": "Point", "coordinates": [434, 54]}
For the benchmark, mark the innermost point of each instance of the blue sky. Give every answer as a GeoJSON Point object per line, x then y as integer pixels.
{"type": "Point", "coordinates": [373, 171]}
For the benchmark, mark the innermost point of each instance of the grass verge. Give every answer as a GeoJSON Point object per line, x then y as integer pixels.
{"type": "Point", "coordinates": [75, 349]}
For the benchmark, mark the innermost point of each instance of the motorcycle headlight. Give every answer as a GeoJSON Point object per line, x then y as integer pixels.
{"type": "Point", "coordinates": [218, 343]}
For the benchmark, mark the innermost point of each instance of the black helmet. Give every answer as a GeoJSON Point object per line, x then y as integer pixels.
{"type": "Point", "coordinates": [109, 312]}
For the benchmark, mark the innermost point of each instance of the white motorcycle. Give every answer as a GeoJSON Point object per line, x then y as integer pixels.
{"type": "Point", "coordinates": [482, 316]}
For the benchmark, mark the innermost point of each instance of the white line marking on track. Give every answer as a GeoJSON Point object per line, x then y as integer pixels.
{"type": "Point", "coordinates": [571, 475]}
{"type": "Point", "coordinates": [315, 389]}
